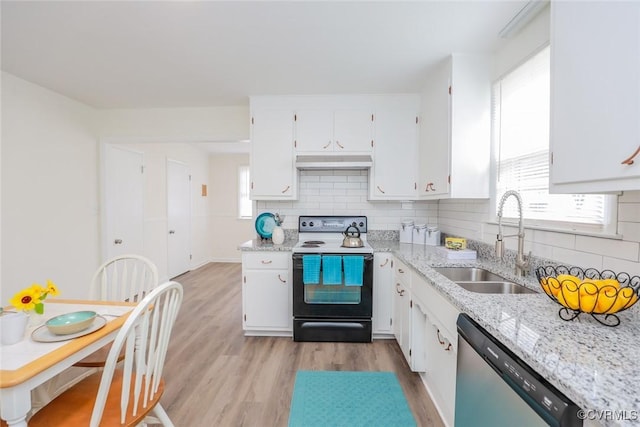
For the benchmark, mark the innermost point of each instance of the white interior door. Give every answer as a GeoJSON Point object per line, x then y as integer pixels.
{"type": "Point", "coordinates": [124, 201]}
{"type": "Point", "coordinates": [178, 218]}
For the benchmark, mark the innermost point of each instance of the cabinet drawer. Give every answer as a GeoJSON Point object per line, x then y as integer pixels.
{"type": "Point", "coordinates": [442, 309]}
{"type": "Point", "coordinates": [401, 273]}
{"type": "Point", "coordinates": [266, 260]}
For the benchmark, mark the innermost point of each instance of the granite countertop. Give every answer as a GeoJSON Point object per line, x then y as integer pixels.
{"type": "Point", "coordinates": [594, 365]}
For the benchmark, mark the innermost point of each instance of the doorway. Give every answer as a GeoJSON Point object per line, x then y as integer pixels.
{"type": "Point", "coordinates": [123, 201]}
{"type": "Point", "coordinates": [178, 218]}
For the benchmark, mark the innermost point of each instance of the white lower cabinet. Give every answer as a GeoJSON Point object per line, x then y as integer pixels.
{"type": "Point", "coordinates": [440, 373]}
{"type": "Point", "coordinates": [267, 293]}
{"type": "Point", "coordinates": [434, 344]}
{"type": "Point", "coordinates": [382, 295]}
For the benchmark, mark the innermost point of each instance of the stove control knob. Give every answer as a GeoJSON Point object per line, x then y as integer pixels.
{"type": "Point", "coordinates": [304, 223]}
{"type": "Point", "coordinates": [311, 224]}
{"type": "Point", "coordinates": [361, 224]}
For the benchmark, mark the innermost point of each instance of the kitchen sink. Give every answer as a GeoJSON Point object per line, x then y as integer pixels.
{"type": "Point", "coordinates": [482, 281]}
{"type": "Point", "coordinates": [468, 274]}
{"type": "Point", "coordinates": [495, 287]}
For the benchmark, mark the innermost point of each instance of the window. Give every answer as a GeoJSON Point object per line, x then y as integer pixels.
{"type": "Point", "coordinates": [245, 207]}
{"type": "Point", "coordinates": [521, 110]}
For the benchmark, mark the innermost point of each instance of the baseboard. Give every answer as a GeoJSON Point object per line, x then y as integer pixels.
{"type": "Point", "coordinates": [233, 260]}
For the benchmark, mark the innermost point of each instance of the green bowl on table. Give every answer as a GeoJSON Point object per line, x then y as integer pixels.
{"type": "Point", "coordinates": [71, 323]}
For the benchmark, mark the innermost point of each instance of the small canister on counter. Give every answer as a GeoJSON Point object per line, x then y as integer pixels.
{"type": "Point", "coordinates": [406, 231]}
{"type": "Point", "coordinates": [419, 233]}
{"type": "Point", "coordinates": [432, 236]}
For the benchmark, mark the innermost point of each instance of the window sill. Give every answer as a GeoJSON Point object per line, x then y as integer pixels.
{"type": "Point", "coordinates": [563, 230]}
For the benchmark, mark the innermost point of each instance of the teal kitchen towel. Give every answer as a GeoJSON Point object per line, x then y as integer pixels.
{"type": "Point", "coordinates": [310, 269]}
{"type": "Point", "coordinates": [353, 270]}
{"type": "Point", "coordinates": [332, 269]}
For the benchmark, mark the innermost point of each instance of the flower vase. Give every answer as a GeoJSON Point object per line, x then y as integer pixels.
{"type": "Point", "coordinates": [35, 319]}
{"type": "Point", "coordinates": [277, 235]}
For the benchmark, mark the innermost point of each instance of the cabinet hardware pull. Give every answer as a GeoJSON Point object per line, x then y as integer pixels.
{"type": "Point", "coordinates": [415, 185]}
{"type": "Point", "coordinates": [117, 241]}
{"type": "Point", "coordinates": [380, 189]}
{"type": "Point", "coordinates": [339, 145]}
{"type": "Point", "coordinates": [266, 262]}
{"type": "Point", "coordinates": [283, 281]}
{"type": "Point", "coordinates": [629, 161]}
{"type": "Point", "coordinates": [430, 187]}
{"type": "Point", "coordinates": [402, 292]}
{"type": "Point", "coordinates": [386, 261]}
{"type": "Point", "coordinates": [286, 189]}
{"type": "Point", "coordinates": [327, 146]}
{"type": "Point", "coordinates": [438, 335]}
{"type": "Point", "coordinates": [400, 271]}
{"type": "Point", "coordinates": [448, 347]}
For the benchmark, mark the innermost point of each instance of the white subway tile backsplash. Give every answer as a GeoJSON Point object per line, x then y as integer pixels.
{"type": "Point", "coordinates": [629, 212]}
{"type": "Point", "coordinates": [630, 197]}
{"type": "Point", "coordinates": [609, 247]}
{"type": "Point", "coordinates": [580, 259]}
{"type": "Point", "coordinates": [561, 240]}
{"type": "Point", "coordinates": [621, 266]}
{"type": "Point", "coordinates": [630, 231]}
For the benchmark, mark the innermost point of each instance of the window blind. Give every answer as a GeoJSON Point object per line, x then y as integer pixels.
{"type": "Point", "coordinates": [520, 115]}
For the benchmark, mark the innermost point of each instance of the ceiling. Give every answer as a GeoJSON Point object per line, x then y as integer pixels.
{"type": "Point", "coordinates": [145, 54]}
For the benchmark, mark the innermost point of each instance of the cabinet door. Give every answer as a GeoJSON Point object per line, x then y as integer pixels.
{"type": "Point", "coordinates": [273, 174]}
{"type": "Point", "coordinates": [314, 130]}
{"type": "Point", "coordinates": [435, 133]}
{"type": "Point", "coordinates": [353, 130]}
{"type": "Point", "coordinates": [595, 96]}
{"type": "Point", "coordinates": [382, 293]}
{"type": "Point", "coordinates": [394, 172]}
{"type": "Point", "coordinates": [441, 368]}
{"type": "Point", "coordinates": [419, 326]}
{"type": "Point", "coordinates": [266, 299]}
{"type": "Point", "coordinates": [402, 319]}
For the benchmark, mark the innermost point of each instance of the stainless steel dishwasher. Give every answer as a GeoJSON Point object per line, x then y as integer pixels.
{"type": "Point", "coordinates": [496, 388]}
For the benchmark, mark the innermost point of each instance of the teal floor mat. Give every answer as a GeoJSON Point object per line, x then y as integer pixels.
{"type": "Point", "coordinates": [348, 399]}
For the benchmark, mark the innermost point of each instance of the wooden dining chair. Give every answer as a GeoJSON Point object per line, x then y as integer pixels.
{"type": "Point", "coordinates": [122, 278]}
{"type": "Point", "coordinates": [124, 396]}
{"type": "Point", "coordinates": [126, 277]}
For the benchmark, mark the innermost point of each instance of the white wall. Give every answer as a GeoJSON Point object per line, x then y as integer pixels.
{"type": "Point", "coordinates": [344, 192]}
{"type": "Point", "coordinates": [177, 124]}
{"type": "Point", "coordinates": [227, 230]}
{"type": "Point", "coordinates": [50, 221]}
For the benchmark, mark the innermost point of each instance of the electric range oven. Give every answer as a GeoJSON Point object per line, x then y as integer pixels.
{"type": "Point", "coordinates": [332, 284]}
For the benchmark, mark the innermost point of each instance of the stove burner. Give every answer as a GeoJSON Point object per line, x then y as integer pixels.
{"type": "Point", "coordinates": [313, 242]}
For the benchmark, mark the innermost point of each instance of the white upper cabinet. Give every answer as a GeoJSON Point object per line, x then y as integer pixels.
{"type": "Point", "coordinates": [395, 151]}
{"type": "Point", "coordinates": [273, 173]}
{"type": "Point", "coordinates": [455, 129]}
{"type": "Point", "coordinates": [595, 97]}
{"type": "Point", "coordinates": [333, 130]}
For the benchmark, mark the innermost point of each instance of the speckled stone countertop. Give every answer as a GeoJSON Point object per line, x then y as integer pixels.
{"type": "Point", "coordinates": [596, 366]}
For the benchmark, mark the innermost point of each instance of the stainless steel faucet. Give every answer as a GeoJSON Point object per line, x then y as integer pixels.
{"type": "Point", "coordinates": [522, 264]}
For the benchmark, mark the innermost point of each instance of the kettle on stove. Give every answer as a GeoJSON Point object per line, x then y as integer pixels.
{"type": "Point", "coordinates": [352, 238]}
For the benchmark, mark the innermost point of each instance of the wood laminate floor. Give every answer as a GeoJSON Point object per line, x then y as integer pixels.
{"type": "Point", "coordinates": [216, 376]}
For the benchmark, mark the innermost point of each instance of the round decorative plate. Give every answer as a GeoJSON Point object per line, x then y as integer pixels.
{"type": "Point", "coordinates": [42, 334]}
{"type": "Point", "coordinates": [264, 224]}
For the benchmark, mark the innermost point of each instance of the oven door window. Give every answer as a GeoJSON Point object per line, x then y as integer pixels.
{"type": "Point", "coordinates": [332, 294]}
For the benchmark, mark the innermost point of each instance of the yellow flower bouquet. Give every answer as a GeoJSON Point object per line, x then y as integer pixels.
{"type": "Point", "coordinates": [32, 298]}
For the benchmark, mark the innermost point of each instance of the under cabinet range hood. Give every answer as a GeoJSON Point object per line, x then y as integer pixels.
{"type": "Point", "coordinates": [337, 161]}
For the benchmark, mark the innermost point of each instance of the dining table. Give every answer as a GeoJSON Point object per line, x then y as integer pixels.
{"type": "Point", "coordinates": [40, 356]}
